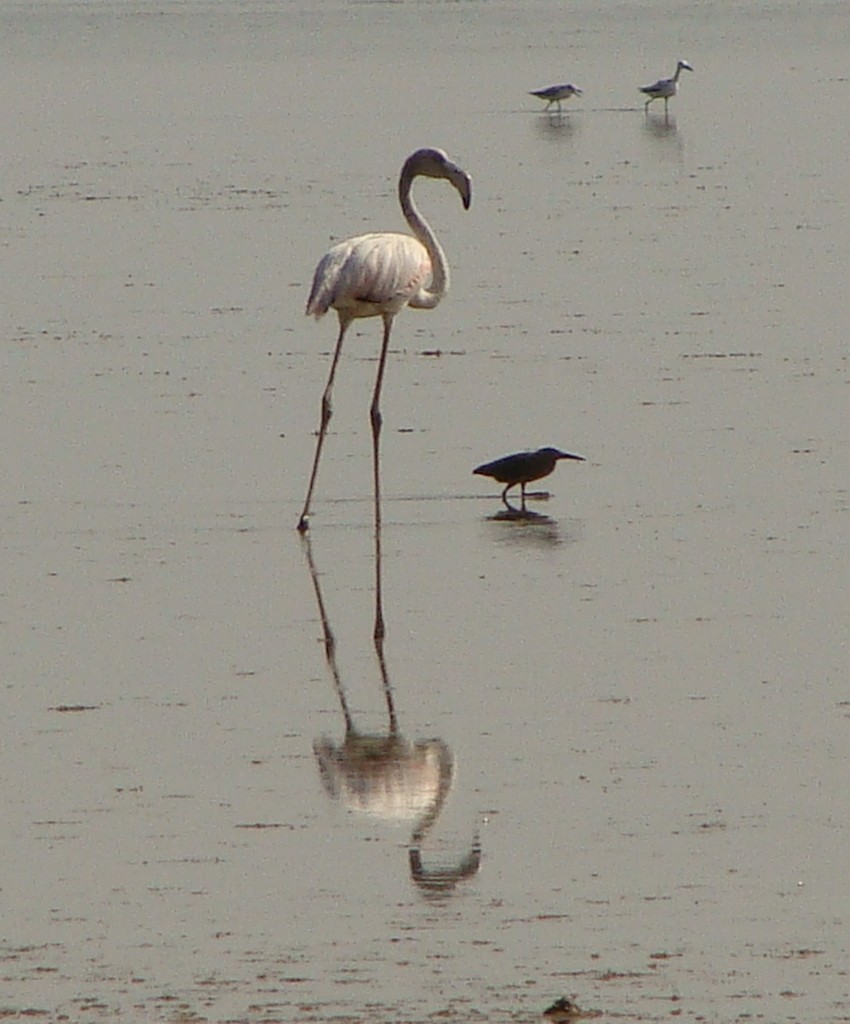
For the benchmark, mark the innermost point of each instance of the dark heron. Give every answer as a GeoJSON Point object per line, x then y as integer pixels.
{"type": "Point", "coordinates": [522, 468]}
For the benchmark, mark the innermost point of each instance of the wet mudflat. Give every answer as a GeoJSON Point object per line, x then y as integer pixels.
{"type": "Point", "coordinates": [618, 770]}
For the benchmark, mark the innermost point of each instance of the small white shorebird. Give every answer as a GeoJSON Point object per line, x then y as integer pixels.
{"type": "Point", "coordinates": [556, 93]}
{"type": "Point", "coordinates": [664, 88]}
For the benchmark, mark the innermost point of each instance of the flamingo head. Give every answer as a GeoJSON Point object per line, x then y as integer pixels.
{"type": "Point", "coordinates": [434, 163]}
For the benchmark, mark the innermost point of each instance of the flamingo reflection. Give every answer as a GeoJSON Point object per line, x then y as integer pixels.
{"type": "Point", "coordinates": [385, 775]}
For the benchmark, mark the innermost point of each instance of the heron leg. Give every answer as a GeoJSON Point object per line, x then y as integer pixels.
{"type": "Point", "coordinates": [522, 485]}
{"type": "Point", "coordinates": [327, 412]}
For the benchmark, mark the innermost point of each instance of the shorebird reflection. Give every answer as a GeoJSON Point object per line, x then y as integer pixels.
{"type": "Point", "coordinates": [662, 126]}
{"type": "Point", "coordinates": [385, 775]}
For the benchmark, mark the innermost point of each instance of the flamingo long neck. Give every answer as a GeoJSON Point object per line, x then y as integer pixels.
{"type": "Point", "coordinates": [440, 279]}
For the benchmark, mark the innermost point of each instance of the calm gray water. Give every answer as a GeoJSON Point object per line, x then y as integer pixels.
{"type": "Point", "coordinates": [619, 764]}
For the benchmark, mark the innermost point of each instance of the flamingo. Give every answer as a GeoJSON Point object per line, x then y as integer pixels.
{"type": "Point", "coordinates": [664, 88]}
{"type": "Point", "coordinates": [378, 275]}
{"type": "Point", "coordinates": [556, 93]}
{"type": "Point", "coordinates": [383, 774]}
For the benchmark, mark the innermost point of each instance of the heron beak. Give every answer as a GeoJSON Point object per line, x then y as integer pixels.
{"type": "Point", "coordinates": [567, 455]}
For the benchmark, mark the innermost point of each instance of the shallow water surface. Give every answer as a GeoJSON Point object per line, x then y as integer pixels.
{"type": "Point", "coordinates": [599, 752]}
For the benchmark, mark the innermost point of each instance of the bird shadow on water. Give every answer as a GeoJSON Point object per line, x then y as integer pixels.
{"type": "Point", "coordinates": [661, 126]}
{"type": "Point", "coordinates": [662, 140]}
{"type": "Point", "coordinates": [385, 775]}
{"type": "Point", "coordinates": [555, 126]}
{"type": "Point", "coordinates": [526, 527]}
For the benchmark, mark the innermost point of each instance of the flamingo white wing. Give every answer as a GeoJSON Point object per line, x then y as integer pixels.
{"type": "Point", "coordinates": [369, 274]}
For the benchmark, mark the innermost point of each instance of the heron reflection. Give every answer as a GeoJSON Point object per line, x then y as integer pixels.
{"type": "Point", "coordinates": [385, 775]}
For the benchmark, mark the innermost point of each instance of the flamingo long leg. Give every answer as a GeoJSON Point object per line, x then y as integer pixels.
{"type": "Point", "coordinates": [376, 418]}
{"type": "Point", "coordinates": [327, 412]}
